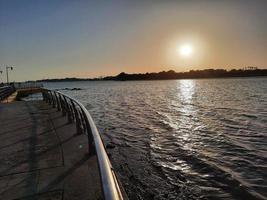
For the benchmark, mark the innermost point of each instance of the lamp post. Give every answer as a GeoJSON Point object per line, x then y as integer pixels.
{"type": "Point", "coordinates": [8, 67]}
{"type": "Point", "coordinates": [1, 80]}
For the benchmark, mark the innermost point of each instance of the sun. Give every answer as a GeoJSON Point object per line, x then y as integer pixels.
{"type": "Point", "coordinates": [185, 50]}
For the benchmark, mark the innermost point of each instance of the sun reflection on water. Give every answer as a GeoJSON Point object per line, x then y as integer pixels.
{"type": "Point", "coordinates": [186, 90]}
{"type": "Point", "coordinates": [181, 120]}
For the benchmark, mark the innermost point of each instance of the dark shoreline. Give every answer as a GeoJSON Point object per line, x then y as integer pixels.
{"type": "Point", "coordinates": [98, 80]}
{"type": "Point", "coordinates": [172, 75]}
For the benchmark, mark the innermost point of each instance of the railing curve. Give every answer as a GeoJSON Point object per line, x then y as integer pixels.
{"type": "Point", "coordinates": [5, 91]}
{"type": "Point", "coordinates": [76, 112]}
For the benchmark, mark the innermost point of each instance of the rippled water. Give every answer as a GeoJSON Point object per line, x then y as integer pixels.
{"type": "Point", "coordinates": [183, 139]}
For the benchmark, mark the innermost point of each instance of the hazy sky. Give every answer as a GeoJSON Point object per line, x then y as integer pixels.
{"type": "Point", "coordinates": [82, 38]}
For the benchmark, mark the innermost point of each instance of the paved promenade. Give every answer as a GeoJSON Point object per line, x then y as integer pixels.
{"type": "Point", "coordinates": [42, 157]}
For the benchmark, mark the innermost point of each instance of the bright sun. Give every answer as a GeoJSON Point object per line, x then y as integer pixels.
{"type": "Point", "coordinates": [185, 50]}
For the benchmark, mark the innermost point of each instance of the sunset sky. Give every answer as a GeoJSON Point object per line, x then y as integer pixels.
{"type": "Point", "coordinates": [53, 38]}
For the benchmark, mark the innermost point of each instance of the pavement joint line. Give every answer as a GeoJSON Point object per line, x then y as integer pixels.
{"type": "Point", "coordinates": [13, 130]}
{"type": "Point", "coordinates": [38, 154]}
{"type": "Point", "coordinates": [43, 133]}
{"type": "Point", "coordinates": [30, 171]}
{"type": "Point", "coordinates": [54, 129]}
{"type": "Point", "coordinates": [6, 132]}
{"type": "Point", "coordinates": [56, 117]}
{"type": "Point", "coordinates": [38, 179]}
{"type": "Point", "coordinates": [41, 193]}
{"type": "Point", "coordinates": [19, 150]}
{"type": "Point", "coordinates": [17, 117]}
{"type": "Point", "coordinates": [22, 113]}
{"type": "Point", "coordinates": [61, 149]}
{"type": "Point", "coordinates": [69, 170]}
{"type": "Point", "coordinates": [22, 149]}
{"type": "Point", "coordinates": [6, 124]}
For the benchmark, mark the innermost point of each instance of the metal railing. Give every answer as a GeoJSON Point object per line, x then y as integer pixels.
{"type": "Point", "coordinates": [26, 85]}
{"type": "Point", "coordinates": [5, 91]}
{"type": "Point", "coordinates": [77, 113]}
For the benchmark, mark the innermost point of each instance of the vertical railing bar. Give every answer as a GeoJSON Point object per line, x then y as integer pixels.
{"type": "Point", "coordinates": [70, 119]}
{"type": "Point", "coordinates": [50, 97]}
{"type": "Point", "coordinates": [91, 149]}
{"type": "Point", "coordinates": [63, 107]}
{"type": "Point", "coordinates": [57, 102]}
{"type": "Point", "coordinates": [43, 95]}
{"type": "Point", "coordinates": [83, 121]}
{"type": "Point", "coordinates": [53, 100]}
{"type": "Point", "coordinates": [77, 119]}
{"type": "Point", "coordinates": [80, 121]}
{"type": "Point", "coordinates": [71, 110]}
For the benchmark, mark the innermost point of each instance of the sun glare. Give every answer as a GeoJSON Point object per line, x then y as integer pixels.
{"type": "Point", "coordinates": [186, 50]}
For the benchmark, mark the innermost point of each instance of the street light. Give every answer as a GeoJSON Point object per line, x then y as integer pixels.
{"type": "Point", "coordinates": [1, 72]}
{"type": "Point", "coordinates": [8, 67]}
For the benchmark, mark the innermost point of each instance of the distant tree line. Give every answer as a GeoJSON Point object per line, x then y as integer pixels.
{"type": "Point", "coordinates": [171, 74]}
{"type": "Point", "coordinates": [206, 73]}
{"type": "Point", "coordinates": [68, 79]}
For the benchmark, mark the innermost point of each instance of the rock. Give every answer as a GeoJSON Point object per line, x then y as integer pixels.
{"type": "Point", "coordinates": [76, 89]}
{"type": "Point", "coordinates": [110, 146]}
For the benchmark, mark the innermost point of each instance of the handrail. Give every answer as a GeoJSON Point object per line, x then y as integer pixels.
{"type": "Point", "coordinates": [5, 91]}
{"type": "Point", "coordinates": [27, 85]}
{"type": "Point", "coordinates": [85, 124]}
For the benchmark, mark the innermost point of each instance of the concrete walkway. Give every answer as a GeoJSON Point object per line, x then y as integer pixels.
{"type": "Point", "coordinates": [42, 157]}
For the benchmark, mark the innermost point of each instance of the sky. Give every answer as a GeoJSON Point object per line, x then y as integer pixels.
{"type": "Point", "coordinates": [82, 38]}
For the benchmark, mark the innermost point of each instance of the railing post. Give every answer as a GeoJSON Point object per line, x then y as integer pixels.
{"type": "Point", "coordinates": [72, 111]}
{"type": "Point", "coordinates": [91, 149]}
{"type": "Point", "coordinates": [70, 119]}
{"type": "Point", "coordinates": [49, 97]}
{"type": "Point", "coordinates": [53, 100]}
{"type": "Point", "coordinates": [57, 101]}
{"type": "Point", "coordinates": [81, 121]}
{"type": "Point", "coordinates": [83, 124]}
{"type": "Point", "coordinates": [43, 94]}
{"type": "Point", "coordinates": [63, 106]}
{"type": "Point", "coordinates": [77, 118]}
